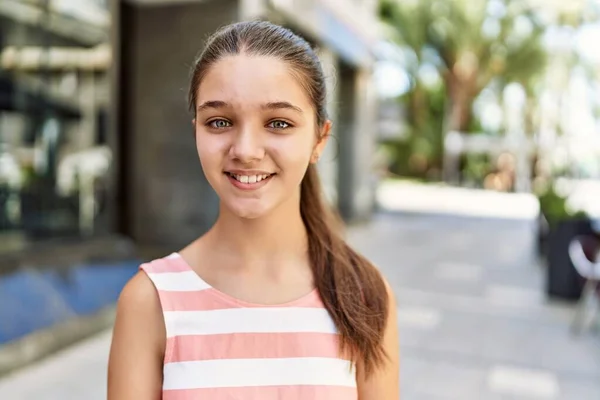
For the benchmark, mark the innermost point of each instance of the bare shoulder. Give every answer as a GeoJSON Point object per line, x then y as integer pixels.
{"type": "Point", "coordinates": [392, 317]}
{"type": "Point", "coordinates": [138, 342]}
{"type": "Point", "coordinates": [139, 294]}
{"type": "Point", "coordinates": [139, 310]}
{"type": "Point", "coordinates": [391, 295]}
{"type": "Point", "coordinates": [384, 383]}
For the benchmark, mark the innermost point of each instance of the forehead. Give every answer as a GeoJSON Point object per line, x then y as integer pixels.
{"type": "Point", "coordinates": [252, 80]}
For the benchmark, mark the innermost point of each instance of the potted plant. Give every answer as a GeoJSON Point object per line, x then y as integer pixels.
{"type": "Point", "coordinates": [560, 222]}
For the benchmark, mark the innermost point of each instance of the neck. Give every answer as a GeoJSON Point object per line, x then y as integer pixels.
{"type": "Point", "coordinates": [270, 240]}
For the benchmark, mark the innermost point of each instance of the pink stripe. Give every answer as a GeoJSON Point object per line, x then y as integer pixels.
{"type": "Point", "coordinates": [212, 299]}
{"type": "Point", "coordinates": [165, 265]}
{"type": "Point", "coordinates": [265, 393]}
{"type": "Point", "coordinates": [252, 345]}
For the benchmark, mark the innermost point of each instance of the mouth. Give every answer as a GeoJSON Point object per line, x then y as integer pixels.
{"type": "Point", "coordinates": [249, 182]}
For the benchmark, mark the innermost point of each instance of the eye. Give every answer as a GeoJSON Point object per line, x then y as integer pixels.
{"type": "Point", "coordinates": [219, 124]}
{"type": "Point", "coordinates": [278, 124]}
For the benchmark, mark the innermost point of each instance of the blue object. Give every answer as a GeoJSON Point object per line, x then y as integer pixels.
{"type": "Point", "coordinates": [34, 299]}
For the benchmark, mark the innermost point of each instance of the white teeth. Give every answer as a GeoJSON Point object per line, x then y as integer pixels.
{"type": "Point", "coordinates": [250, 178]}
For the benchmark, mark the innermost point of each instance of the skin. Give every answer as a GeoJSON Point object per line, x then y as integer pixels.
{"type": "Point", "coordinates": [253, 115]}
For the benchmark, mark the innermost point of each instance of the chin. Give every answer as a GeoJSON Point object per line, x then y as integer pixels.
{"type": "Point", "coordinates": [248, 211]}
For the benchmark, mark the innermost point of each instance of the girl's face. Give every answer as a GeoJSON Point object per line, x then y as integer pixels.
{"type": "Point", "coordinates": [255, 133]}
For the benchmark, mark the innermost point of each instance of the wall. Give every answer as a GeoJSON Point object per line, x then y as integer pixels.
{"type": "Point", "coordinates": [365, 134]}
{"type": "Point", "coordinates": [346, 169]}
{"type": "Point", "coordinates": [167, 200]}
{"type": "Point", "coordinates": [346, 143]}
{"type": "Point", "coordinates": [356, 133]}
{"type": "Point", "coordinates": [328, 163]}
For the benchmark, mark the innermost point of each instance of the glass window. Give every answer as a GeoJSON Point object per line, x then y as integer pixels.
{"type": "Point", "coordinates": [54, 157]}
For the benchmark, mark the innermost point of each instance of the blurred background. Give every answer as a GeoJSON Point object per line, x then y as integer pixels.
{"type": "Point", "coordinates": [466, 163]}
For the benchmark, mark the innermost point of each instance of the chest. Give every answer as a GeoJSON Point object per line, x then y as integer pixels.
{"type": "Point", "coordinates": [261, 366]}
{"type": "Point", "coordinates": [221, 350]}
{"type": "Point", "coordinates": [261, 290]}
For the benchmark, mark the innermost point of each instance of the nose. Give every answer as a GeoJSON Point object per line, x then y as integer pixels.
{"type": "Point", "coordinates": [247, 145]}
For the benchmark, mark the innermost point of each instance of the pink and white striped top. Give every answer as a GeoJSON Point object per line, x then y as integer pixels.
{"type": "Point", "coordinates": [219, 347]}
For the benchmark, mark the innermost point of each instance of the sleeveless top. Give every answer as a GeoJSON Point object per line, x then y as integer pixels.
{"type": "Point", "coordinates": [222, 348]}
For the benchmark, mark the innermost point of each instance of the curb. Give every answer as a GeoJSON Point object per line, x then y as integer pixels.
{"type": "Point", "coordinates": [41, 344]}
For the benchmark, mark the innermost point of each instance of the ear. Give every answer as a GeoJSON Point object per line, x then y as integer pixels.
{"type": "Point", "coordinates": [322, 139]}
{"type": "Point", "coordinates": [194, 122]}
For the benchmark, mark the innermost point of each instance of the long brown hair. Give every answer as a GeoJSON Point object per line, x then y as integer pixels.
{"type": "Point", "coordinates": [351, 288]}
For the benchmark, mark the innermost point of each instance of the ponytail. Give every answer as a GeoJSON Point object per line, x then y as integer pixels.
{"type": "Point", "coordinates": [351, 288]}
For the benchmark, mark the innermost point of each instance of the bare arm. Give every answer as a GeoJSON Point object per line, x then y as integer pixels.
{"type": "Point", "coordinates": [384, 383]}
{"type": "Point", "coordinates": [137, 350]}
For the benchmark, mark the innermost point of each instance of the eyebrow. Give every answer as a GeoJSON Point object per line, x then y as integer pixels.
{"type": "Point", "coordinates": [276, 105]}
{"type": "Point", "coordinates": [212, 104]}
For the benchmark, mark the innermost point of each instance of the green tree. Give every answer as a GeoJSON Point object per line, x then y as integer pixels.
{"type": "Point", "coordinates": [471, 43]}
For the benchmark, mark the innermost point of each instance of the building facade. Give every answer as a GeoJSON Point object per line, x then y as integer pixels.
{"type": "Point", "coordinates": [95, 135]}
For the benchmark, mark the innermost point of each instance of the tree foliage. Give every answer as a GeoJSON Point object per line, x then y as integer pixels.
{"type": "Point", "coordinates": [470, 43]}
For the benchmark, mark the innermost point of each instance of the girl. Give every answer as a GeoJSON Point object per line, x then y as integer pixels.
{"type": "Point", "coordinates": [270, 303]}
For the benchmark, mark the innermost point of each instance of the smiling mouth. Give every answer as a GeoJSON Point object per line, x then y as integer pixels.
{"type": "Point", "coordinates": [249, 182]}
{"type": "Point", "coordinates": [249, 179]}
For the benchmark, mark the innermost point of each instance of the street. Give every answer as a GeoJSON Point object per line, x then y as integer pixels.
{"type": "Point", "coordinates": [474, 321]}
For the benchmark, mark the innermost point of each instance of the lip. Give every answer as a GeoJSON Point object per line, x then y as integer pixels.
{"type": "Point", "coordinates": [248, 186]}
{"type": "Point", "coordinates": [248, 172]}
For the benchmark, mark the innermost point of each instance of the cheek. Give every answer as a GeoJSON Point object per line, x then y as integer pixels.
{"type": "Point", "coordinates": [293, 153]}
{"type": "Point", "coordinates": [210, 149]}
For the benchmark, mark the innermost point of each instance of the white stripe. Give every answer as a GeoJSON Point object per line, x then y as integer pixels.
{"type": "Point", "coordinates": [178, 281]}
{"type": "Point", "coordinates": [258, 372]}
{"type": "Point", "coordinates": [248, 320]}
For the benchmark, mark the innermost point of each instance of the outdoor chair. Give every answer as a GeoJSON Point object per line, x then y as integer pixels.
{"type": "Point", "coordinates": [584, 252]}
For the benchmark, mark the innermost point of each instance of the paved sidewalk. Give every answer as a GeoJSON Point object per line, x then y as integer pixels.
{"type": "Point", "coordinates": [474, 322]}
{"type": "Point", "coordinates": [78, 373]}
